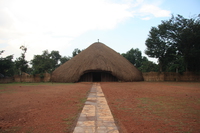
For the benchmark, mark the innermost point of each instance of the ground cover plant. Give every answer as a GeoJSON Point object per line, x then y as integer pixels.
{"type": "Point", "coordinates": [41, 107]}
{"type": "Point", "coordinates": [156, 107]}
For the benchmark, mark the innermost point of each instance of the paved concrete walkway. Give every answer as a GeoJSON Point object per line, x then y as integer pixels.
{"type": "Point", "coordinates": [96, 116]}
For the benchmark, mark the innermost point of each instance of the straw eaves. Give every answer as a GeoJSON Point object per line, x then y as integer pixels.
{"type": "Point", "coordinates": [97, 57]}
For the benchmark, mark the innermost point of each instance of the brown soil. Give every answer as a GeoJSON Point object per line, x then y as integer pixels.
{"type": "Point", "coordinates": [41, 108]}
{"type": "Point", "coordinates": [148, 107]}
{"type": "Point", "coordinates": [155, 107]}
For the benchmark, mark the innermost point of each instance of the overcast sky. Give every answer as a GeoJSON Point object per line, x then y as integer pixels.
{"type": "Point", "coordinates": [64, 25]}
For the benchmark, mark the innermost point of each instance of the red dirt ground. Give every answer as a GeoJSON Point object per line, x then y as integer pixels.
{"type": "Point", "coordinates": [155, 107]}
{"type": "Point", "coordinates": [138, 107]}
{"type": "Point", "coordinates": [41, 108]}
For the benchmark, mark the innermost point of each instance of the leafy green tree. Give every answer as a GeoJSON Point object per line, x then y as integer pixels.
{"type": "Point", "coordinates": [6, 65]}
{"type": "Point", "coordinates": [134, 56]}
{"type": "Point", "coordinates": [55, 57]}
{"type": "Point", "coordinates": [148, 66]}
{"type": "Point", "coordinates": [186, 35]}
{"type": "Point", "coordinates": [41, 63]}
{"type": "Point", "coordinates": [139, 61]}
{"type": "Point", "coordinates": [47, 62]}
{"type": "Point", "coordinates": [75, 52]}
{"type": "Point", "coordinates": [64, 59]}
{"type": "Point", "coordinates": [159, 45]}
{"type": "Point", "coordinates": [174, 39]}
{"type": "Point", "coordinates": [176, 65]}
{"type": "Point", "coordinates": [21, 64]}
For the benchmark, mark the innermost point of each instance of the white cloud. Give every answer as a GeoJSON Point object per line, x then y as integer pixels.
{"type": "Point", "coordinates": [147, 9]}
{"type": "Point", "coordinates": [52, 24]}
{"type": "Point", "coordinates": [154, 10]}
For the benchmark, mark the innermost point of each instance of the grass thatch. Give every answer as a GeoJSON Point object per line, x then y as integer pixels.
{"type": "Point", "coordinates": [97, 57]}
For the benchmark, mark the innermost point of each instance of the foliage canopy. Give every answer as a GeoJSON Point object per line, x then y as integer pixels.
{"type": "Point", "coordinates": [176, 43]}
{"type": "Point", "coordinates": [141, 62]}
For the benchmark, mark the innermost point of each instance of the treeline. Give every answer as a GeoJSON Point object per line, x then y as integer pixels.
{"type": "Point", "coordinates": [40, 64]}
{"type": "Point", "coordinates": [49, 61]}
{"type": "Point", "coordinates": [175, 43]}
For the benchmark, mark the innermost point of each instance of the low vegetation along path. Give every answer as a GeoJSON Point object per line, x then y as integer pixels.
{"type": "Point", "coordinates": [96, 116]}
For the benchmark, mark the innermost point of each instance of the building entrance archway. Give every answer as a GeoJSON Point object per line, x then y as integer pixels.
{"type": "Point", "coordinates": [97, 76]}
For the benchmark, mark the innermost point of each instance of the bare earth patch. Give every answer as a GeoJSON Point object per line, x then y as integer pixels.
{"type": "Point", "coordinates": [41, 108]}
{"type": "Point", "coordinates": [155, 107]}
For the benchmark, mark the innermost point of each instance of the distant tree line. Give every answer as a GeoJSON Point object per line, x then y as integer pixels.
{"type": "Point", "coordinates": [40, 64]}
{"type": "Point", "coordinates": [175, 43]}
{"type": "Point", "coordinates": [49, 61]}
{"type": "Point", "coordinates": [139, 61]}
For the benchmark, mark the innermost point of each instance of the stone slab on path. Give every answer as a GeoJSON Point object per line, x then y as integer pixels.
{"type": "Point", "coordinates": [96, 116]}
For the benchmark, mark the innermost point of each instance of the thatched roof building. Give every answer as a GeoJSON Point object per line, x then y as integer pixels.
{"type": "Point", "coordinates": [97, 63]}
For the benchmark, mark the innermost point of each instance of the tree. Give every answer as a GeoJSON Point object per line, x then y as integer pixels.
{"type": "Point", "coordinates": [64, 59]}
{"type": "Point", "coordinates": [6, 65]}
{"type": "Point", "coordinates": [148, 66]}
{"type": "Point", "coordinates": [159, 45]}
{"type": "Point", "coordinates": [55, 57]}
{"type": "Point", "coordinates": [186, 35]}
{"type": "Point", "coordinates": [134, 56]}
{"type": "Point", "coordinates": [174, 39]}
{"type": "Point", "coordinates": [176, 65]}
{"type": "Point", "coordinates": [21, 64]}
{"type": "Point", "coordinates": [75, 52]}
{"type": "Point", "coordinates": [41, 63]}
{"type": "Point", "coordinates": [47, 62]}
{"type": "Point", "coordinates": [139, 61]}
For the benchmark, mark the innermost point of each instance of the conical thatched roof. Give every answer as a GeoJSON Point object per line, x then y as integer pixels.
{"type": "Point", "coordinates": [97, 57]}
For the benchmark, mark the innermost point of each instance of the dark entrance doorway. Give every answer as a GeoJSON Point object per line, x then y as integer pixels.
{"type": "Point", "coordinates": [97, 76]}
